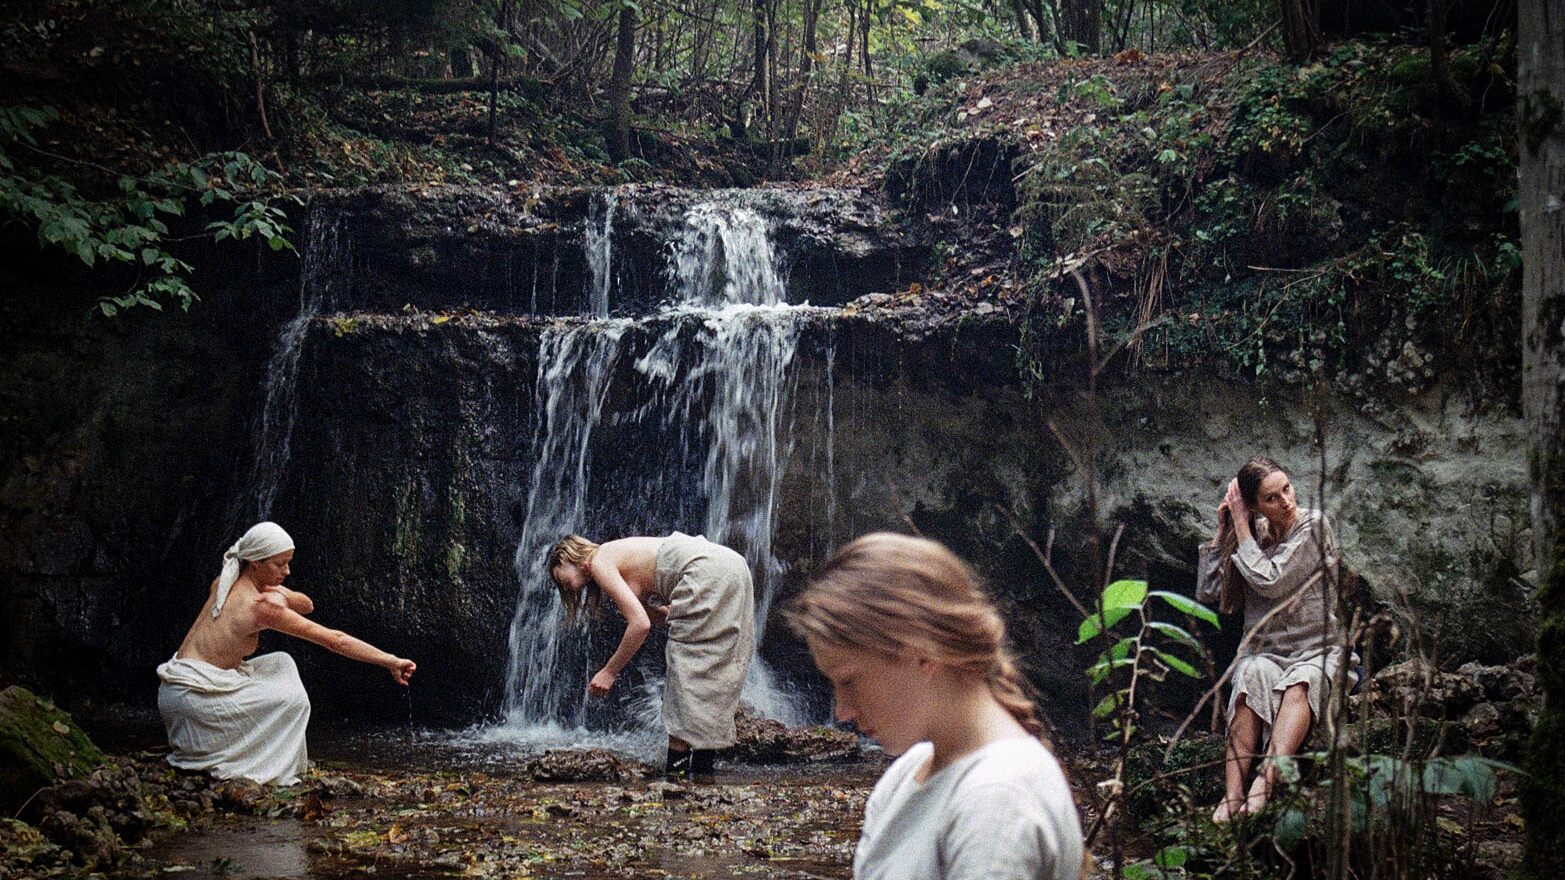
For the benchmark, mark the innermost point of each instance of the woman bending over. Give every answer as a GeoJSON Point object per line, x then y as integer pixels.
{"type": "Point", "coordinates": [704, 592]}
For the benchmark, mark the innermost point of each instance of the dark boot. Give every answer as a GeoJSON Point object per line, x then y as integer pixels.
{"type": "Point", "coordinates": [701, 763]}
{"type": "Point", "coordinates": [678, 763]}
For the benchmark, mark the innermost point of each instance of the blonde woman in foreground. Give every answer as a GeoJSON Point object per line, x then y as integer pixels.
{"type": "Point", "coordinates": [917, 657]}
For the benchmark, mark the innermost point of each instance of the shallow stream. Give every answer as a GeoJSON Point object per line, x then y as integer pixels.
{"type": "Point", "coordinates": [429, 805]}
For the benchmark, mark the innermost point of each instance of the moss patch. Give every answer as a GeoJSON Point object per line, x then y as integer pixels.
{"type": "Point", "coordinates": [39, 745]}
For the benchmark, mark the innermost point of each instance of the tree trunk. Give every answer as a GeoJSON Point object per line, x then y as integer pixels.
{"type": "Point", "coordinates": [761, 85]}
{"type": "Point", "coordinates": [1439, 64]}
{"type": "Point", "coordinates": [1540, 100]}
{"type": "Point", "coordinates": [1300, 27]}
{"type": "Point", "coordinates": [619, 84]}
{"type": "Point", "coordinates": [1081, 22]}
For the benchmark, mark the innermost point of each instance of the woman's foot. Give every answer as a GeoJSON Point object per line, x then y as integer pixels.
{"type": "Point", "coordinates": [1260, 792]}
{"type": "Point", "coordinates": [1228, 809]}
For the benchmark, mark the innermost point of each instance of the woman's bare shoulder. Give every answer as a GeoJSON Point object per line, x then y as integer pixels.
{"type": "Point", "coordinates": [629, 550]}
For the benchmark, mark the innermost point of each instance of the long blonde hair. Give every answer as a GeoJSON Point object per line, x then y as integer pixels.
{"type": "Point", "coordinates": [893, 594]}
{"type": "Point", "coordinates": [577, 551]}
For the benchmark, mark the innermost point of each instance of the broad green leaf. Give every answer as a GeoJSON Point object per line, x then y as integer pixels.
{"type": "Point", "coordinates": [1187, 605]}
{"type": "Point", "coordinates": [1125, 594]}
{"type": "Point", "coordinates": [1178, 634]}
{"type": "Point", "coordinates": [1176, 664]}
{"type": "Point", "coordinates": [1101, 669]}
{"type": "Point", "coordinates": [1107, 706]}
{"type": "Point", "coordinates": [1092, 626]}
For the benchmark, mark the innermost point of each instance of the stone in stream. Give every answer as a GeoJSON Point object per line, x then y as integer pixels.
{"type": "Point", "coordinates": [40, 745]}
{"type": "Point", "coordinates": [764, 741]}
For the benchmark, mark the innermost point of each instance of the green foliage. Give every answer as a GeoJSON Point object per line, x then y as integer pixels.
{"type": "Point", "coordinates": [1242, 230]}
{"type": "Point", "coordinates": [129, 225]}
{"type": "Point", "coordinates": [1148, 652]}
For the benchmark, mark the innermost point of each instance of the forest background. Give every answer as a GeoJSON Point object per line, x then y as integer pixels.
{"type": "Point", "coordinates": [1203, 146]}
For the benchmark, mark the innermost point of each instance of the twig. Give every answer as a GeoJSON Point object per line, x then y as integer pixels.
{"type": "Point", "coordinates": [1043, 557]}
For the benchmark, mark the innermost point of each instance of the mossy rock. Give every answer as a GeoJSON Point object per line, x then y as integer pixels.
{"type": "Point", "coordinates": [1192, 775]}
{"type": "Point", "coordinates": [40, 745]}
{"type": "Point", "coordinates": [1383, 736]}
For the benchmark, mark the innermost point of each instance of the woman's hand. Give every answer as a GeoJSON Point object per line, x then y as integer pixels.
{"type": "Point", "coordinates": [658, 614]}
{"type": "Point", "coordinates": [402, 669]}
{"type": "Point", "coordinates": [1240, 512]}
{"type": "Point", "coordinates": [601, 683]}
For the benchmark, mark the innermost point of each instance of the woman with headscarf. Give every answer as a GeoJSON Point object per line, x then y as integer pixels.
{"type": "Point", "coordinates": [238, 718]}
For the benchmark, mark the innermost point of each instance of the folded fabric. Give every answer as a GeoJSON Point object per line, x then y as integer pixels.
{"type": "Point", "coordinates": [247, 722]}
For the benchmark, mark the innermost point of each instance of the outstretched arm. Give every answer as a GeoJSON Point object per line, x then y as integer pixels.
{"type": "Point", "coordinates": [637, 624]}
{"type": "Point", "coordinates": [273, 612]}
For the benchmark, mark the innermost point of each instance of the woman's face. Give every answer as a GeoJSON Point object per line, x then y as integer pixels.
{"type": "Point", "coordinates": [272, 570]}
{"type": "Point", "coordinates": [883, 696]}
{"type": "Point", "coordinates": [1274, 500]}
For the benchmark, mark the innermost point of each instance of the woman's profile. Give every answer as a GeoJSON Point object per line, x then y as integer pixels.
{"type": "Point", "coordinates": [917, 658]}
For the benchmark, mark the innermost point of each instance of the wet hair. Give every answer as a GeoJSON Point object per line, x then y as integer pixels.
{"type": "Point", "coordinates": [1250, 476]}
{"type": "Point", "coordinates": [893, 594]}
{"type": "Point", "coordinates": [577, 551]}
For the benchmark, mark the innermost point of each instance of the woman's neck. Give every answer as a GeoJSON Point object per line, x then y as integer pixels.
{"type": "Point", "coordinates": [970, 718]}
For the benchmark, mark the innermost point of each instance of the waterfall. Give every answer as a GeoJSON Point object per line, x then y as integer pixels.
{"type": "Point", "coordinates": [598, 241]}
{"type": "Point", "coordinates": [574, 367]}
{"type": "Point", "coordinates": [325, 260]}
{"type": "Point", "coordinates": [705, 403]}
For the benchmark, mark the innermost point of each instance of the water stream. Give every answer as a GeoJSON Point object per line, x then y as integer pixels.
{"type": "Point", "coordinates": [679, 420]}
{"type": "Point", "coordinates": [326, 259]}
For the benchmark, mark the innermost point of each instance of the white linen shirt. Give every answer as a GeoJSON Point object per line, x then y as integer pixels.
{"type": "Point", "coordinates": [1003, 812]}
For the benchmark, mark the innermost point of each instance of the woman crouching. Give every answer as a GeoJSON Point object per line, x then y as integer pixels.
{"type": "Point", "coordinates": [916, 655]}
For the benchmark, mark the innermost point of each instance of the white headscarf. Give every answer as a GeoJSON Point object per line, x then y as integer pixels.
{"type": "Point", "coordinates": [263, 541]}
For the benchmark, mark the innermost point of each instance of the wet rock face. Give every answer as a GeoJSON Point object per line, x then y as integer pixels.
{"type": "Point", "coordinates": [522, 252]}
{"type": "Point", "coordinates": [413, 450]}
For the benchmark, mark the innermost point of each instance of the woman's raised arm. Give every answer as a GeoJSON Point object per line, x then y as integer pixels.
{"type": "Point", "coordinates": [1292, 564]}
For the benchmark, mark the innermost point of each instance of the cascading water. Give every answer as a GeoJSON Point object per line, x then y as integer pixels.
{"type": "Point", "coordinates": [709, 401]}
{"type": "Point", "coordinates": [326, 260]}
{"type": "Point", "coordinates": [598, 238]}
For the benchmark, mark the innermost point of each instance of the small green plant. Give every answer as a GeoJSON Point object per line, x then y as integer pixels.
{"type": "Point", "coordinates": [1139, 649]}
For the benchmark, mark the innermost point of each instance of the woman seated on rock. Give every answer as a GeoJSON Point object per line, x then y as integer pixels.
{"type": "Point", "coordinates": [1281, 563]}
{"type": "Point", "coordinates": [246, 718]}
{"type": "Point", "coordinates": [705, 594]}
{"type": "Point", "coordinates": [917, 658]}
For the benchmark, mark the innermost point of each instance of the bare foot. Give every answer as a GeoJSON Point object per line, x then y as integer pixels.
{"type": "Point", "coordinates": [1260, 793]}
{"type": "Point", "coordinates": [1227, 810]}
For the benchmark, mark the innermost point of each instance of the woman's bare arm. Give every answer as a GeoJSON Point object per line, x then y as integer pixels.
{"type": "Point", "coordinates": [637, 623]}
{"type": "Point", "coordinates": [296, 600]}
{"type": "Point", "coordinates": [273, 612]}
